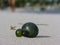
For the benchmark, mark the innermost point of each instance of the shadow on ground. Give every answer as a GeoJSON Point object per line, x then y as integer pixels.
{"type": "Point", "coordinates": [43, 37]}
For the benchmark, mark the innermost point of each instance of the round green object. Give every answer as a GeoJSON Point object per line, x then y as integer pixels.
{"type": "Point", "coordinates": [18, 32]}
{"type": "Point", "coordinates": [30, 30]}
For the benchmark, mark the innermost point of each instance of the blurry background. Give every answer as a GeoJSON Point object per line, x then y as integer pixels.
{"type": "Point", "coordinates": [39, 4]}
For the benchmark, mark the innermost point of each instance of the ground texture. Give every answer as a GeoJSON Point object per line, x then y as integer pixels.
{"type": "Point", "coordinates": [48, 24]}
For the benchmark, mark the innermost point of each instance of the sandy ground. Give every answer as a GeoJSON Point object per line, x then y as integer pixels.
{"type": "Point", "coordinates": [49, 28]}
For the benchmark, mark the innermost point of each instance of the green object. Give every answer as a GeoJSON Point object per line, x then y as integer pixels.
{"type": "Point", "coordinates": [30, 30]}
{"type": "Point", "coordinates": [18, 32]}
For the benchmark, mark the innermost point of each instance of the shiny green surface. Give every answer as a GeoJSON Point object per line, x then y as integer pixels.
{"type": "Point", "coordinates": [30, 30]}
{"type": "Point", "coordinates": [18, 33]}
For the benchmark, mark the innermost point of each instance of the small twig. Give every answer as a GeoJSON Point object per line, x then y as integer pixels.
{"type": "Point", "coordinates": [36, 24]}
{"type": "Point", "coordinates": [12, 27]}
